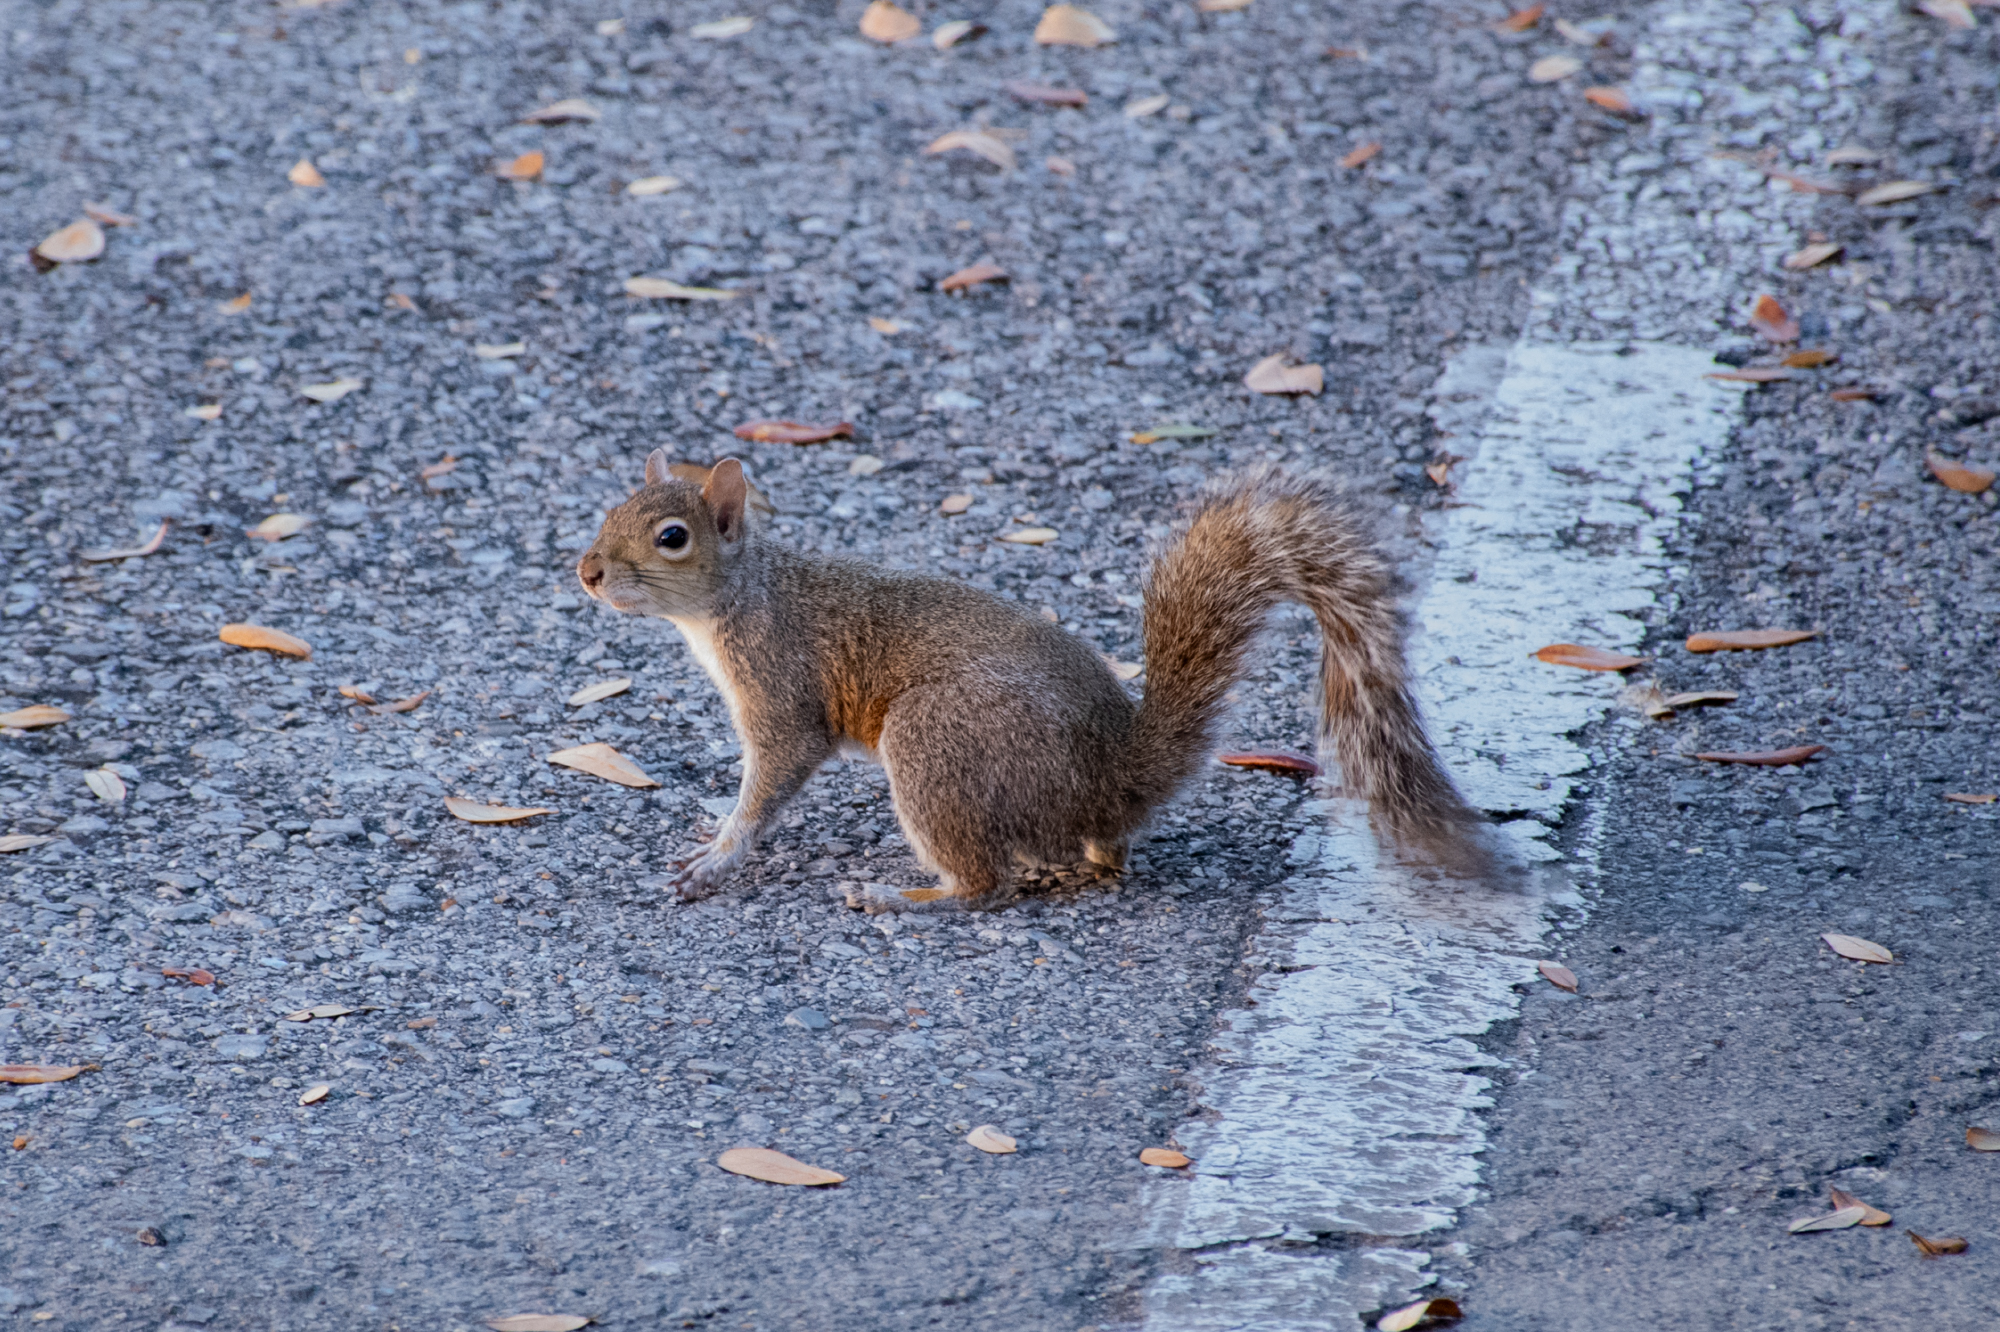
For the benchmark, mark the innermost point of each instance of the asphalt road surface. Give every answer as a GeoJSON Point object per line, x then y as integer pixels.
{"type": "Point", "coordinates": [544, 1054]}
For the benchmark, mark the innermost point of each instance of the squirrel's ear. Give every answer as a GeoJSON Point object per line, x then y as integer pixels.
{"type": "Point", "coordinates": [656, 468]}
{"type": "Point", "coordinates": [725, 494]}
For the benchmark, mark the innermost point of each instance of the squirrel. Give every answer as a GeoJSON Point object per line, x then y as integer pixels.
{"type": "Point", "coordinates": [1003, 737]}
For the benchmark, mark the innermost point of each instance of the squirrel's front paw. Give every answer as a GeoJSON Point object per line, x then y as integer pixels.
{"type": "Point", "coordinates": [705, 870]}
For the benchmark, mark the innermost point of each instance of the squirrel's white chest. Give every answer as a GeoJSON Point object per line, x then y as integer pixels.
{"type": "Point", "coordinates": [700, 638]}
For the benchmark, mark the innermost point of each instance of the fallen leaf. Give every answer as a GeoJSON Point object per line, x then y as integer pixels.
{"type": "Point", "coordinates": [1587, 658]}
{"type": "Point", "coordinates": [601, 760]}
{"type": "Point", "coordinates": [279, 526]}
{"type": "Point", "coordinates": [647, 186]}
{"type": "Point", "coordinates": [1613, 100]}
{"type": "Point", "coordinates": [1066, 25]}
{"type": "Point", "coordinates": [1982, 1140]}
{"type": "Point", "coordinates": [1896, 191]}
{"type": "Point", "coordinates": [600, 691]}
{"type": "Point", "coordinates": [1968, 798]}
{"type": "Point", "coordinates": [1030, 536]}
{"type": "Point", "coordinates": [127, 552]}
{"type": "Point", "coordinates": [106, 785]}
{"type": "Point", "coordinates": [525, 167]}
{"type": "Point", "coordinates": [305, 174]}
{"type": "Point", "coordinates": [955, 503]}
{"type": "Point", "coordinates": [989, 146]}
{"type": "Point", "coordinates": [498, 351]}
{"type": "Point", "coordinates": [108, 215]}
{"type": "Point", "coordinates": [1932, 1248]}
{"type": "Point", "coordinates": [1765, 758]}
{"type": "Point", "coordinates": [1164, 1157]}
{"type": "Point", "coordinates": [207, 411]}
{"type": "Point", "coordinates": [1272, 375]}
{"type": "Point", "coordinates": [21, 842]}
{"type": "Point", "coordinates": [865, 464]}
{"type": "Point", "coordinates": [1043, 94]}
{"type": "Point", "coordinates": [664, 289]}
{"type": "Point", "coordinates": [1140, 107]}
{"type": "Point", "coordinates": [1061, 166]}
{"type": "Point", "coordinates": [441, 467]}
{"type": "Point", "coordinates": [951, 34]}
{"type": "Point", "coordinates": [39, 1073]}
{"type": "Point", "coordinates": [972, 277]}
{"type": "Point", "coordinates": [1221, 6]}
{"type": "Point", "coordinates": [1813, 255]}
{"type": "Point", "coordinates": [1580, 35]}
{"type": "Point", "coordinates": [887, 23]}
{"type": "Point", "coordinates": [1553, 69]}
{"type": "Point", "coordinates": [1170, 430]}
{"type": "Point", "coordinates": [1810, 359]}
{"type": "Point", "coordinates": [270, 640]}
{"type": "Point", "coordinates": [988, 1138]}
{"type": "Point", "coordinates": [35, 714]}
{"type": "Point", "coordinates": [1522, 19]}
{"type": "Point", "coordinates": [1840, 1220]}
{"type": "Point", "coordinates": [1953, 13]}
{"type": "Point", "coordinates": [1746, 640]}
{"type": "Point", "coordinates": [792, 432]}
{"type": "Point", "coordinates": [474, 812]}
{"type": "Point", "coordinates": [888, 328]}
{"type": "Point", "coordinates": [721, 28]}
{"type": "Point", "coordinates": [319, 1011]}
{"type": "Point", "coordinates": [1437, 1310]}
{"type": "Point", "coordinates": [1858, 950]}
{"type": "Point", "coordinates": [79, 242]}
{"type": "Point", "coordinates": [409, 704]}
{"type": "Point", "coordinates": [146, 1235]}
{"type": "Point", "coordinates": [1852, 394]}
{"type": "Point", "coordinates": [611, 27]}
{"type": "Point", "coordinates": [1358, 156]}
{"type": "Point", "coordinates": [235, 304]}
{"type": "Point", "coordinates": [192, 975]}
{"type": "Point", "coordinates": [1699, 697]}
{"type": "Point", "coordinates": [1799, 184]}
{"type": "Point", "coordinates": [1853, 154]}
{"type": "Point", "coordinates": [333, 391]}
{"type": "Point", "coordinates": [1770, 322]}
{"type": "Point", "coordinates": [401, 302]}
{"type": "Point", "coordinates": [1272, 761]}
{"type": "Point", "coordinates": [569, 108]}
{"type": "Point", "coordinates": [1753, 374]}
{"type": "Point", "coordinates": [1558, 975]}
{"type": "Point", "coordinates": [314, 1094]}
{"type": "Point", "coordinates": [1966, 480]}
{"type": "Point", "coordinates": [774, 1167]}
{"type": "Point", "coordinates": [1870, 1216]}
{"type": "Point", "coordinates": [541, 1322]}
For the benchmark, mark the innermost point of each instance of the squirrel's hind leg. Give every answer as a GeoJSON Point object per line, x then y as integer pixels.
{"type": "Point", "coordinates": [945, 799]}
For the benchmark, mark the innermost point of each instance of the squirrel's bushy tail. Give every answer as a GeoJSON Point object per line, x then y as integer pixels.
{"type": "Point", "coordinates": [1256, 540]}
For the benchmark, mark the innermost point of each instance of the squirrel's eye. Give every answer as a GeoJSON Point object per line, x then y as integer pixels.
{"type": "Point", "coordinates": [673, 538]}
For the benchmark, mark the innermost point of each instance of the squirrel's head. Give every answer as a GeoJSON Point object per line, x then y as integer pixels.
{"type": "Point", "coordinates": [668, 550]}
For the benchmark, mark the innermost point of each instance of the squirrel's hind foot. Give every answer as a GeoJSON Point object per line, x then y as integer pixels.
{"type": "Point", "coordinates": [879, 898]}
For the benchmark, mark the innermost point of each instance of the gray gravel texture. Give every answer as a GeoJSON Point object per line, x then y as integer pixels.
{"type": "Point", "coordinates": [1721, 1068]}
{"type": "Point", "coordinates": [548, 1055]}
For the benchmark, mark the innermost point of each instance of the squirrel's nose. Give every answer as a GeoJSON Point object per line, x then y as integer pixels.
{"type": "Point", "coordinates": [590, 569]}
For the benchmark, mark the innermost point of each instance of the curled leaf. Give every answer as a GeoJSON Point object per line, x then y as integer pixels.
{"type": "Point", "coordinates": [1952, 13]}
{"type": "Point", "coordinates": [207, 411]}
{"type": "Point", "coordinates": [1522, 19]}
{"type": "Point", "coordinates": [647, 186]}
{"type": "Point", "coordinates": [1164, 1157]}
{"type": "Point", "coordinates": [887, 23]}
{"type": "Point", "coordinates": [78, 243]}
{"type": "Point", "coordinates": [730, 27]}
{"type": "Point", "coordinates": [1982, 1140]}
{"type": "Point", "coordinates": [319, 1011]}
{"type": "Point", "coordinates": [1066, 25]}
{"type": "Point", "coordinates": [1030, 536]}
{"type": "Point", "coordinates": [109, 216]}
{"type": "Point", "coordinates": [35, 714]}
{"type": "Point", "coordinates": [314, 1094]}
{"type": "Point", "coordinates": [1558, 975]}
{"type": "Point", "coordinates": [1896, 191]}
{"type": "Point", "coordinates": [1858, 950]}
{"type": "Point", "coordinates": [1360, 155]}
{"type": "Point", "coordinates": [955, 503]}
{"type": "Point", "coordinates": [1042, 94]}
{"type": "Point", "coordinates": [1587, 658]}
{"type": "Point", "coordinates": [1933, 1248]}
{"type": "Point", "coordinates": [951, 34]}
{"type": "Point", "coordinates": [1553, 69]}
{"type": "Point", "coordinates": [1763, 758]}
{"type": "Point", "coordinates": [34, 1074]}
{"type": "Point", "coordinates": [1748, 640]}
{"type": "Point", "coordinates": [979, 142]}
{"type": "Point", "coordinates": [1812, 256]}
{"type": "Point", "coordinates": [570, 108]}
{"type": "Point", "coordinates": [1770, 322]}
{"type": "Point", "coordinates": [665, 289]}
{"type": "Point", "coordinates": [1969, 798]}
{"type": "Point", "coordinates": [1424, 1312]}
{"type": "Point", "coordinates": [1272, 375]}
{"type": "Point", "coordinates": [267, 639]}
{"type": "Point", "coordinates": [972, 277]}
{"type": "Point", "coordinates": [192, 975]}
{"type": "Point", "coordinates": [474, 812]}
{"type": "Point", "coordinates": [1811, 359]}
{"type": "Point", "coordinates": [600, 691]}
{"type": "Point", "coordinates": [1840, 1220]}
{"type": "Point", "coordinates": [1140, 107]}
{"type": "Point", "coordinates": [1870, 1216]}
{"type": "Point", "coordinates": [601, 760]}
{"type": "Point", "coordinates": [525, 167]}
{"type": "Point", "coordinates": [409, 704]}
{"type": "Point", "coordinates": [279, 526]}
{"type": "Point", "coordinates": [792, 432]}
{"type": "Point", "coordinates": [1852, 395]}
{"type": "Point", "coordinates": [1958, 476]}
{"type": "Point", "coordinates": [12, 842]}
{"type": "Point", "coordinates": [1299, 765]}
{"type": "Point", "coordinates": [774, 1167]}
{"type": "Point", "coordinates": [991, 1140]}
{"type": "Point", "coordinates": [1698, 698]}
{"type": "Point", "coordinates": [127, 552]}
{"type": "Point", "coordinates": [1752, 374]}
{"type": "Point", "coordinates": [539, 1322]}
{"type": "Point", "coordinates": [106, 785]}
{"type": "Point", "coordinates": [332, 391]}
{"type": "Point", "coordinates": [1613, 100]}
{"type": "Point", "coordinates": [498, 351]}
{"type": "Point", "coordinates": [305, 175]}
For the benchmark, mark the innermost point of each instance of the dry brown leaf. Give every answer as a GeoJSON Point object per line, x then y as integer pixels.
{"type": "Point", "coordinates": [235, 304]}
{"type": "Point", "coordinates": [955, 503]}
{"type": "Point", "coordinates": [1060, 166]}
{"type": "Point", "coordinates": [1896, 191]}
{"type": "Point", "coordinates": [127, 552]}
{"type": "Point", "coordinates": [1870, 1216]}
{"type": "Point", "coordinates": [279, 526]}
{"type": "Point", "coordinates": [734, 26]}
{"type": "Point", "coordinates": [1857, 949]}
{"type": "Point", "coordinates": [333, 391]}
{"type": "Point", "coordinates": [1753, 374]}
{"type": "Point", "coordinates": [1066, 25]}
{"type": "Point", "coordinates": [1982, 1139]}
{"type": "Point", "coordinates": [989, 146]}
{"type": "Point", "coordinates": [1764, 758]}
{"type": "Point", "coordinates": [1613, 100]}
{"type": "Point", "coordinates": [1030, 536]}
{"type": "Point", "coordinates": [1221, 6]}
{"type": "Point", "coordinates": [106, 785]}
{"type": "Point", "coordinates": [358, 694]}
{"type": "Point", "coordinates": [663, 288]}
{"type": "Point", "coordinates": [192, 975]}
{"type": "Point", "coordinates": [988, 1138]}
{"type": "Point", "coordinates": [1579, 35]}
{"type": "Point", "coordinates": [270, 640]}
{"type": "Point", "coordinates": [1522, 19]}
{"type": "Point", "coordinates": [1770, 322]}
{"type": "Point", "coordinates": [1431, 1311]}
{"type": "Point", "coordinates": [79, 242]}
{"type": "Point", "coordinates": [1966, 480]}
{"type": "Point", "coordinates": [972, 276]}
{"type": "Point", "coordinates": [774, 1167]}
{"type": "Point", "coordinates": [1276, 760]}
{"type": "Point", "coordinates": [35, 714]}
{"type": "Point", "coordinates": [887, 23]}
{"type": "Point", "coordinates": [1748, 640]}
{"type": "Point", "coordinates": [600, 691]}
{"type": "Point", "coordinates": [32, 1074]}
{"type": "Point", "coordinates": [1840, 1220]}
{"type": "Point", "coordinates": [498, 351]}
{"type": "Point", "coordinates": [1042, 94]}
{"type": "Point", "coordinates": [1140, 107]}
{"type": "Point", "coordinates": [1164, 1157]}
{"type": "Point", "coordinates": [1853, 154]}
{"type": "Point", "coordinates": [601, 760]}
{"type": "Point", "coordinates": [1558, 975]}
{"type": "Point", "coordinates": [314, 1094]}
{"type": "Point", "coordinates": [1953, 13]}
{"type": "Point", "coordinates": [888, 328]}
{"type": "Point", "coordinates": [569, 108]}
{"type": "Point", "coordinates": [109, 216]}
{"type": "Point", "coordinates": [21, 842]}
{"type": "Point", "coordinates": [474, 812]}
{"type": "Point", "coordinates": [319, 1011]}
{"type": "Point", "coordinates": [647, 187]}
{"type": "Point", "coordinates": [792, 432]}
{"type": "Point", "coordinates": [1587, 658]}
{"type": "Point", "coordinates": [441, 467]}
{"type": "Point", "coordinates": [1932, 1248]}
{"type": "Point", "coordinates": [1272, 375]}
{"type": "Point", "coordinates": [207, 411]}
{"type": "Point", "coordinates": [525, 167]}
{"type": "Point", "coordinates": [305, 174]}
{"type": "Point", "coordinates": [538, 1322]}
{"type": "Point", "coordinates": [1810, 359]}
{"type": "Point", "coordinates": [1360, 155]}
{"type": "Point", "coordinates": [409, 704]}
{"type": "Point", "coordinates": [1699, 697]}
{"type": "Point", "coordinates": [1970, 798]}
{"type": "Point", "coordinates": [1439, 472]}
{"type": "Point", "coordinates": [951, 34]}
{"type": "Point", "coordinates": [1852, 395]}
{"type": "Point", "coordinates": [1553, 69]}
{"type": "Point", "coordinates": [1813, 255]}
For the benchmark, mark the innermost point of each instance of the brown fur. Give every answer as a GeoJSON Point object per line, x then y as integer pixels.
{"type": "Point", "coordinates": [1003, 737]}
